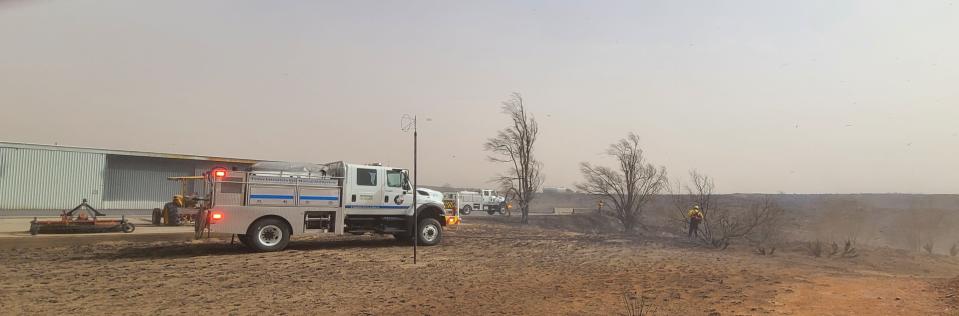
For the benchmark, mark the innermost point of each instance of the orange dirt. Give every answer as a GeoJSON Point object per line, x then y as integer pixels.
{"type": "Point", "coordinates": [484, 267]}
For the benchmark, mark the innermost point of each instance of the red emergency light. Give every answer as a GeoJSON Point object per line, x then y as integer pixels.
{"type": "Point", "coordinates": [216, 216]}
{"type": "Point", "coordinates": [219, 173]}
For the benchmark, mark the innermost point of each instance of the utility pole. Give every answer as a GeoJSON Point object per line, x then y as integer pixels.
{"type": "Point", "coordinates": [410, 122]}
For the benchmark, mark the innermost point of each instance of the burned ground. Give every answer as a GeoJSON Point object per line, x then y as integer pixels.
{"type": "Point", "coordinates": [487, 266]}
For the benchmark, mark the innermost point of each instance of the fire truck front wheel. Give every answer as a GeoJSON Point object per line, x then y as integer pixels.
{"type": "Point", "coordinates": [430, 232]}
{"type": "Point", "coordinates": [268, 234]}
{"type": "Point", "coordinates": [466, 210]}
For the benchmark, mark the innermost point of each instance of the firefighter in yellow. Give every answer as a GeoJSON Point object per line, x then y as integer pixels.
{"type": "Point", "coordinates": [695, 217]}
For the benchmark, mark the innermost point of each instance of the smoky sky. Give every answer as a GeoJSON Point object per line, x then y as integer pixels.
{"type": "Point", "coordinates": [765, 96]}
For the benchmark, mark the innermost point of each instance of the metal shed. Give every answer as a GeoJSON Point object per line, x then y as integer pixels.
{"type": "Point", "coordinates": [43, 177]}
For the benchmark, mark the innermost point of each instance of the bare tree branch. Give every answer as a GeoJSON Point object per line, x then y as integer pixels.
{"type": "Point", "coordinates": [630, 186]}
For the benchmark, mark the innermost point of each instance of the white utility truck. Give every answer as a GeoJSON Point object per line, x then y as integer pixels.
{"type": "Point", "coordinates": [271, 202]}
{"type": "Point", "coordinates": [485, 200]}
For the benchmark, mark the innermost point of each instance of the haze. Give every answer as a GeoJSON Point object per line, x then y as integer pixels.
{"type": "Point", "coordinates": [796, 97]}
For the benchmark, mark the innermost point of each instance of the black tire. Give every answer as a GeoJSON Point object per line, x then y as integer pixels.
{"type": "Point", "coordinates": [466, 210]}
{"type": "Point", "coordinates": [491, 212]}
{"type": "Point", "coordinates": [173, 214]}
{"type": "Point", "coordinates": [200, 223]}
{"type": "Point", "coordinates": [128, 227]}
{"type": "Point", "coordinates": [268, 234]}
{"type": "Point", "coordinates": [157, 217]}
{"type": "Point", "coordinates": [430, 232]}
{"type": "Point", "coordinates": [502, 211]}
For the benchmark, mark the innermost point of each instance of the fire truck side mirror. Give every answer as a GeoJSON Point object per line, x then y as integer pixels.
{"type": "Point", "coordinates": [406, 181]}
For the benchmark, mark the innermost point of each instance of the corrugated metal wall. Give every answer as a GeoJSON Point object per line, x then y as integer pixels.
{"type": "Point", "coordinates": [135, 183]}
{"type": "Point", "coordinates": [38, 179]}
{"type": "Point", "coordinates": [141, 182]}
{"type": "Point", "coordinates": [43, 179]}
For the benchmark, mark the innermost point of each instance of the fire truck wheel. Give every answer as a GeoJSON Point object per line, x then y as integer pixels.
{"type": "Point", "coordinates": [128, 227]}
{"type": "Point", "coordinates": [431, 232]}
{"type": "Point", "coordinates": [466, 210]}
{"type": "Point", "coordinates": [268, 234]}
{"type": "Point", "coordinates": [157, 216]}
{"type": "Point", "coordinates": [491, 212]}
{"type": "Point", "coordinates": [502, 211]}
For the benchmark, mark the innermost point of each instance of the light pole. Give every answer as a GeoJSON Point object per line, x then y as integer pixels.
{"type": "Point", "coordinates": [409, 122]}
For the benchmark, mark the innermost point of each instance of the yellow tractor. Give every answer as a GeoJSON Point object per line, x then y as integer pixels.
{"type": "Point", "coordinates": [184, 207]}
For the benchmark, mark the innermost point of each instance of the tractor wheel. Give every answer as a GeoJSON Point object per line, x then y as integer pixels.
{"type": "Point", "coordinates": [173, 215]}
{"type": "Point", "coordinates": [466, 210]}
{"type": "Point", "coordinates": [157, 217]}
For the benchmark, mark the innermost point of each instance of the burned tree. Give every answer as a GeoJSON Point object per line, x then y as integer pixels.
{"type": "Point", "coordinates": [757, 223]}
{"type": "Point", "coordinates": [514, 146]}
{"type": "Point", "coordinates": [629, 186]}
{"type": "Point", "coordinates": [700, 193]}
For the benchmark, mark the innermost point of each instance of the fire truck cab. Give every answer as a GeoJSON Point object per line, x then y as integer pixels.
{"type": "Point", "coordinates": [267, 205]}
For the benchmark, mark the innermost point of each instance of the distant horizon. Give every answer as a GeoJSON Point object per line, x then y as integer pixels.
{"type": "Point", "coordinates": [453, 186]}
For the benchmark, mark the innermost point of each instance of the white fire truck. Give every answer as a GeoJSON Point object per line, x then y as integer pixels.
{"type": "Point", "coordinates": [485, 200]}
{"type": "Point", "coordinates": [271, 202]}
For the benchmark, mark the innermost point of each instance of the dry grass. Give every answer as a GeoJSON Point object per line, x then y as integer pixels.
{"type": "Point", "coordinates": [818, 249]}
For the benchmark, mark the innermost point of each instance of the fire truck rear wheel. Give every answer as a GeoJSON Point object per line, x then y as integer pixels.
{"type": "Point", "coordinates": [268, 234]}
{"type": "Point", "coordinates": [430, 232]}
{"type": "Point", "coordinates": [128, 227]}
{"type": "Point", "coordinates": [466, 210]}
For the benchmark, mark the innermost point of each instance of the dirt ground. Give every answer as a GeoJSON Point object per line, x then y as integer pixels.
{"type": "Point", "coordinates": [487, 266]}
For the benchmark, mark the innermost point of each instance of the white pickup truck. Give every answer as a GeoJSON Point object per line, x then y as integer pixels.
{"type": "Point", "coordinates": [485, 200]}
{"type": "Point", "coordinates": [273, 201]}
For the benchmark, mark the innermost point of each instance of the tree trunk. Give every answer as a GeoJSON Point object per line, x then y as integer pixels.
{"type": "Point", "coordinates": [525, 214]}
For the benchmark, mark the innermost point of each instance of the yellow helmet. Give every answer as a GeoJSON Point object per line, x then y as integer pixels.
{"type": "Point", "coordinates": [696, 207]}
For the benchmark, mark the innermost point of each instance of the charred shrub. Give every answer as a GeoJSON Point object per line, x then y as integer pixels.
{"type": "Point", "coordinates": [814, 248]}
{"type": "Point", "coordinates": [928, 246]}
